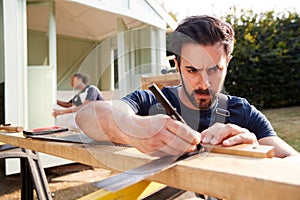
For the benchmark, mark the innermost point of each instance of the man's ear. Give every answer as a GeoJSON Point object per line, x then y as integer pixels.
{"type": "Point", "coordinates": [228, 60]}
{"type": "Point", "coordinates": [176, 65]}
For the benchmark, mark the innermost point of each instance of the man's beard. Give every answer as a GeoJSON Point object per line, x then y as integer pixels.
{"type": "Point", "coordinates": [201, 104]}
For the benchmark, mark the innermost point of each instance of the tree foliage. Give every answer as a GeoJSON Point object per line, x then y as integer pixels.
{"type": "Point", "coordinates": [265, 67]}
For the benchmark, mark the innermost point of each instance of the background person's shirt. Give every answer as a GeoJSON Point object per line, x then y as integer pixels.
{"type": "Point", "coordinates": [90, 92]}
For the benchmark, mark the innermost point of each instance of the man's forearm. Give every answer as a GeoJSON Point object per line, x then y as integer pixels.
{"type": "Point", "coordinates": [97, 121]}
{"type": "Point", "coordinates": [282, 149]}
{"type": "Point", "coordinates": [64, 104]}
{"type": "Point", "coordinates": [116, 122]}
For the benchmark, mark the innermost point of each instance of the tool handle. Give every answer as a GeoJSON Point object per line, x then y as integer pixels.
{"type": "Point", "coordinates": [11, 128]}
{"type": "Point", "coordinates": [171, 111]}
{"type": "Point", "coordinates": [44, 131]}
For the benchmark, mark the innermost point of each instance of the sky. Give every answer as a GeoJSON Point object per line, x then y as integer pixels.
{"type": "Point", "coordinates": [220, 8]}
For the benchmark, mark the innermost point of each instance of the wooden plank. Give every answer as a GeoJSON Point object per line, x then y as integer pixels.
{"type": "Point", "coordinates": [160, 80]}
{"type": "Point", "coordinates": [214, 174]}
{"type": "Point", "coordinates": [114, 158]}
{"type": "Point", "coordinates": [235, 177]}
{"type": "Point", "coordinates": [259, 151]}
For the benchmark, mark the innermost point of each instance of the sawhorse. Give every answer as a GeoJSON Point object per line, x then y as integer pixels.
{"type": "Point", "coordinates": [32, 173]}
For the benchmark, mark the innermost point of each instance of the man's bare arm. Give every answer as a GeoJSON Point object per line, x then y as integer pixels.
{"type": "Point", "coordinates": [96, 120]}
{"type": "Point", "coordinates": [282, 149]}
{"type": "Point", "coordinates": [115, 121]}
{"type": "Point", "coordinates": [57, 112]}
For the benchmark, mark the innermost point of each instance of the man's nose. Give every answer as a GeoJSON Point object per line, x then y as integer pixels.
{"type": "Point", "coordinates": [203, 81]}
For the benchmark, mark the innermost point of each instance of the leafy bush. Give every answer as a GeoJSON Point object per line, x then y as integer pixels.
{"type": "Point", "coordinates": [265, 67]}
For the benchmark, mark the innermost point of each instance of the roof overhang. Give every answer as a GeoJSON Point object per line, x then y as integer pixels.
{"type": "Point", "coordinates": [93, 19]}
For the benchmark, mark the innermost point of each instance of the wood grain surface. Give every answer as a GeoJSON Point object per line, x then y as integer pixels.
{"type": "Point", "coordinates": [220, 175]}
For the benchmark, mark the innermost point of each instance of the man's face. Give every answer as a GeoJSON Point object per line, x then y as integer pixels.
{"type": "Point", "coordinates": [203, 70]}
{"type": "Point", "coordinates": [74, 82]}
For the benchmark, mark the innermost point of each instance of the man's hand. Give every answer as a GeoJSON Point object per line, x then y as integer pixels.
{"type": "Point", "coordinates": [156, 135]}
{"type": "Point", "coordinates": [159, 135]}
{"type": "Point", "coordinates": [57, 112]}
{"type": "Point", "coordinates": [227, 135]}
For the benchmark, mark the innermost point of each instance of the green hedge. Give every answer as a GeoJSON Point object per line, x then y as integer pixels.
{"type": "Point", "coordinates": [265, 67]}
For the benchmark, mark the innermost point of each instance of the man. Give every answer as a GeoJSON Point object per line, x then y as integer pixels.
{"type": "Point", "coordinates": [202, 46]}
{"type": "Point", "coordinates": [87, 94]}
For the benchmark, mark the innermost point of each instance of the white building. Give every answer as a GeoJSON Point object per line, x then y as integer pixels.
{"type": "Point", "coordinates": [44, 42]}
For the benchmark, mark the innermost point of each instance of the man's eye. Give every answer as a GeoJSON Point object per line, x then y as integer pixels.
{"type": "Point", "coordinates": [213, 69]}
{"type": "Point", "coordinates": [192, 71]}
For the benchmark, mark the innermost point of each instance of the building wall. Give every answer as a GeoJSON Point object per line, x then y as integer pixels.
{"type": "Point", "coordinates": [70, 52]}
{"type": "Point", "coordinates": [143, 54]}
{"type": "Point", "coordinates": [137, 52]}
{"type": "Point", "coordinates": [2, 103]}
{"type": "Point", "coordinates": [134, 53]}
{"type": "Point", "coordinates": [15, 61]}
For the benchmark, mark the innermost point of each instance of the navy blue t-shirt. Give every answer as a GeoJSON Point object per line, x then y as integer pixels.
{"type": "Point", "coordinates": [144, 103]}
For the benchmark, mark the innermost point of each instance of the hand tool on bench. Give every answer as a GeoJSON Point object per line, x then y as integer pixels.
{"type": "Point", "coordinates": [10, 128]}
{"type": "Point", "coordinates": [44, 131]}
{"type": "Point", "coordinates": [142, 172]}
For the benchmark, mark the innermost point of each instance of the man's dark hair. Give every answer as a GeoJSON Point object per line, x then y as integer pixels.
{"type": "Point", "coordinates": [84, 79]}
{"type": "Point", "coordinates": [203, 30]}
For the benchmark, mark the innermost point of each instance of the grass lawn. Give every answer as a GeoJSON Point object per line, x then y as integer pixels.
{"type": "Point", "coordinates": [286, 122]}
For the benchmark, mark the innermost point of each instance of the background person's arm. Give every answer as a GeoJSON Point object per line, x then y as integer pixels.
{"type": "Point", "coordinates": [64, 104]}
{"type": "Point", "coordinates": [57, 112]}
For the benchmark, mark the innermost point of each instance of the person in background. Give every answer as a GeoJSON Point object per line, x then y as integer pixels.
{"type": "Point", "coordinates": [202, 46]}
{"type": "Point", "coordinates": [87, 94]}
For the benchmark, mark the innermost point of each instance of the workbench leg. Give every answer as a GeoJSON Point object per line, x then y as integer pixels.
{"type": "Point", "coordinates": [38, 175]}
{"type": "Point", "coordinates": [27, 185]}
{"type": "Point", "coordinates": [32, 173]}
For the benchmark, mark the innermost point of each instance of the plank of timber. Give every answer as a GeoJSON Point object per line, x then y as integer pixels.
{"type": "Point", "coordinates": [160, 80]}
{"type": "Point", "coordinates": [259, 151]}
{"type": "Point", "coordinates": [220, 175]}
{"type": "Point", "coordinates": [102, 156]}
{"type": "Point", "coordinates": [235, 177]}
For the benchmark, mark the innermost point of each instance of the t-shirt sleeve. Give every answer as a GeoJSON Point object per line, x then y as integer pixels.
{"type": "Point", "coordinates": [71, 100]}
{"type": "Point", "coordinates": [140, 101]}
{"type": "Point", "coordinates": [247, 116]}
{"type": "Point", "coordinates": [92, 94]}
{"type": "Point", "coordinates": [76, 100]}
